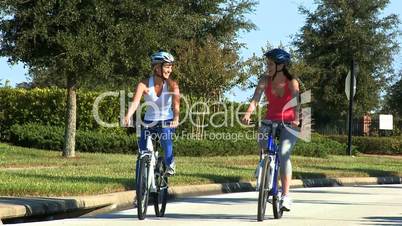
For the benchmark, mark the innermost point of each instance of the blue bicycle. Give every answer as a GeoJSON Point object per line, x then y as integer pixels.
{"type": "Point", "coordinates": [267, 174]}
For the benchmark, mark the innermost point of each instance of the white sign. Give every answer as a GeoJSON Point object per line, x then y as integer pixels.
{"type": "Point", "coordinates": [347, 85]}
{"type": "Point", "coordinates": [386, 122]}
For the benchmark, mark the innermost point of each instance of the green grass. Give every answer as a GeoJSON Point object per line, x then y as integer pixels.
{"type": "Point", "coordinates": [33, 172]}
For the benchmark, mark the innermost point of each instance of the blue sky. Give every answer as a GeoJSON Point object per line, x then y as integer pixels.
{"type": "Point", "coordinates": [273, 26]}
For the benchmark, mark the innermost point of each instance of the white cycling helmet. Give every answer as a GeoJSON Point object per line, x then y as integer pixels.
{"type": "Point", "coordinates": [162, 57]}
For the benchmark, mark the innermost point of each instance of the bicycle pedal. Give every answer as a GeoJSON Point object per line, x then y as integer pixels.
{"type": "Point", "coordinates": [269, 200]}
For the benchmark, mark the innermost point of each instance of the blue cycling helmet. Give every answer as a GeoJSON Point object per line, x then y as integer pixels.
{"type": "Point", "coordinates": [279, 56]}
{"type": "Point", "coordinates": [162, 57]}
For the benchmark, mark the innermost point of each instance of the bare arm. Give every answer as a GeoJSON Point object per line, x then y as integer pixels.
{"type": "Point", "coordinates": [135, 102]}
{"type": "Point", "coordinates": [176, 102]}
{"type": "Point", "coordinates": [294, 89]}
{"type": "Point", "coordinates": [259, 90]}
{"type": "Point", "coordinates": [174, 89]}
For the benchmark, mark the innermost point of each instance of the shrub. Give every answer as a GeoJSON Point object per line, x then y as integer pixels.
{"type": "Point", "coordinates": [320, 146]}
{"type": "Point", "coordinates": [374, 145]}
{"type": "Point", "coordinates": [47, 106]}
{"type": "Point", "coordinates": [51, 137]}
{"type": "Point", "coordinates": [187, 147]}
{"type": "Point", "coordinates": [37, 136]}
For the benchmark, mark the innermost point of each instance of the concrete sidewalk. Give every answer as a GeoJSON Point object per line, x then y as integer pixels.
{"type": "Point", "coordinates": [46, 208]}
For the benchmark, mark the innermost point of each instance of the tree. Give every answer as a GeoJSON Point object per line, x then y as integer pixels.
{"type": "Point", "coordinates": [88, 43]}
{"type": "Point", "coordinates": [207, 66]}
{"type": "Point", "coordinates": [64, 37]}
{"type": "Point", "coordinates": [145, 27]}
{"type": "Point", "coordinates": [334, 34]}
{"type": "Point", "coordinates": [393, 99]}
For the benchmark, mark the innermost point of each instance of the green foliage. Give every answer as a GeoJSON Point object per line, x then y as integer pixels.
{"type": "Point", "coordinates": [65, 37]}
{"type": "Point", "coordinates": [47, 107]}
{"type": "Point", "coordinates": [336, 32]}
{"type": "Point", "coordinates": [207, 66]}
{"type": "Point", "coordinates": [37, 136]}
{"type": "Point", "coordinates": [374, 145]}
{"type": "Point", "coordinates": [393, 99]}
{"type": "Point", "coordinates": [105, 44]}
{"type": "Point", "coordinates": [187, 147]}
{"type": "Point", "coordinates": [51, 137]}
{"type": "Point", "coordinates": [18, 106]}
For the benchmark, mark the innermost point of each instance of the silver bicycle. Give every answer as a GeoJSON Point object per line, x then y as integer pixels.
{"type": "Point", "coordinates": [151, 177]}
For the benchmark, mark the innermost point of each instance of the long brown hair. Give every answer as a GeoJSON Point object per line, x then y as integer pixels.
{"type": "Point", "coordinates": [286, 73]}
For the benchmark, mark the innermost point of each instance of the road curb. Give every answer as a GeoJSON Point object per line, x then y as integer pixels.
{"type": "Point", "coordinates": [28, 207]}
{"type": "Point", "coordinates": [345, 181]}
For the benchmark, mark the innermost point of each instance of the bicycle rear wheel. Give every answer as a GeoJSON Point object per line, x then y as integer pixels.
{"type": "Point", "coordinates": [142, 190]}
{"type": "Point", "coordinates": [161, 194]}
{"type": "Point", "coordinates": [263, 190]}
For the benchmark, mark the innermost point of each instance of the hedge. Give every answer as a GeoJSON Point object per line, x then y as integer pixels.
{"type": "Point", "coordinates": [47, 106]}
{"type": "Point", "coordinates": [51, 137]}
{"type": "Point", "coordinates": [374, 145]}
{"type": "Point", "coordinates": [320, 146]}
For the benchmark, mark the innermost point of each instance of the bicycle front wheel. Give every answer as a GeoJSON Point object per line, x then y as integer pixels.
{"type": "Point", "coordinates": [276, 206]}
{"type": "Point", "coordinates": [161, 195]}
{"type": "Point", "coordinates": [142, 190]}
{"type": "Point", "coordinates": [263, 190]}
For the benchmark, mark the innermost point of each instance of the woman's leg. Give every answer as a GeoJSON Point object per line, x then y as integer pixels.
{"type": "Point", "coordinates": [166, 139]}
{"type": "Point", "coordinates": [145, 142]}
{"type": "Point", "coordinates": [286, 145]}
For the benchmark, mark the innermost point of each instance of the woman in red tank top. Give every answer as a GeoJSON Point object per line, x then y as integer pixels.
{"type": "Point", "coordinates": [280, 88]}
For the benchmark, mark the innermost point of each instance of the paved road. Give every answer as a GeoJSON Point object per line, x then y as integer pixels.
{"type": "Point", "coordinates": [361, 205]}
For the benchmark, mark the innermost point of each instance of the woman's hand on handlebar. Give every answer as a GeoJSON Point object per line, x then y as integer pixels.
{"type": "Point", "coordinates": [126, 122]}
{"type": "Point", "coordinates": [295, 123]}
{"type": "Point", "coordinates": [246, 119]}
{"type": "Point", "coordinates": [174, 123]}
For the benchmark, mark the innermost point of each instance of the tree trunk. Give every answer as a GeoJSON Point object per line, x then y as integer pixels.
{"type": "Point", "coordinates": [71, 118]}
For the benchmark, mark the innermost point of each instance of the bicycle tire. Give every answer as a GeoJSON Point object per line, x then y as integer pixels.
{"type": "Point", "coordinates": [263, 190]}
{"type": "Point", "coordinates": [142, 190]}
{"type": "Point", "coordinates": [276, 206]}
{"type": "Point", "coordinates": [161, 195]}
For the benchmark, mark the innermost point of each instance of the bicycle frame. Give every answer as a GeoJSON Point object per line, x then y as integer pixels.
{"type": "Point", "coordinates": [151, 163]}
{"type": "Point", "coordinates": [150, 177]}
{"type": "Point", "coordinates": [267, 181]}
{"type": "Point", "coordinates": [271, 151]}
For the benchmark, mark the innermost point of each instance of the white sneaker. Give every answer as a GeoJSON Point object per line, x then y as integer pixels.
{"type": "Point", "coordinates": [171, 169]}
{"type": "Point", "coordinates": [286, 203]}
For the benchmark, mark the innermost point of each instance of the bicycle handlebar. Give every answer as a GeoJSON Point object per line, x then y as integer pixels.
{"type": "Point", "coordinates": [273, 123]}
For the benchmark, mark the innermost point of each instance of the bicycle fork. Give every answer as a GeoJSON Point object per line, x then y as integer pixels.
{"type": "Point", "coordinates": [274, 177]}
{"type": "Point", "coordinates": [151, 179]}
{"type": "Point", "coordinates": [150, 163]}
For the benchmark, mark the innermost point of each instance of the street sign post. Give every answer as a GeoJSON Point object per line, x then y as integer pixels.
{"type": "Point", "coordinates": [350, 90]}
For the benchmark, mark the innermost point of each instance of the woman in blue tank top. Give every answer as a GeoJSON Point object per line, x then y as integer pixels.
{"type": "Point", "coordinates": [162, 99]}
